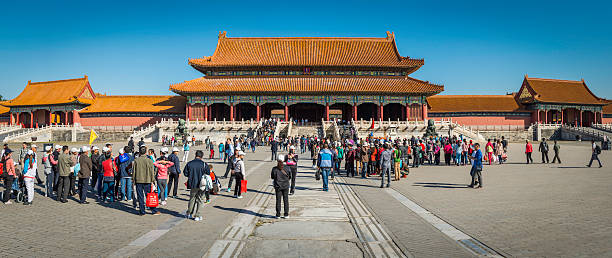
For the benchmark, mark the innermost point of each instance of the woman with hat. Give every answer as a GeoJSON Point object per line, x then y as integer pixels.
{"type": "Point", "coordinates": [48, 163]}
{"type": "Point", "coordinates": [9, 175]}
{"type": "Point", "coordinates": [239, 173]}
{"type": "Point", "coordinates": [291, 161]}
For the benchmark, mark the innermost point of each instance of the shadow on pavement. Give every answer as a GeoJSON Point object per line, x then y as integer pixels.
{"type": "Point", "coordinates": [238, 210]}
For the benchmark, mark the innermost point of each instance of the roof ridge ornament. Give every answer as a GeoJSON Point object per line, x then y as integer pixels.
{"type": "Point", "coordinates": [390, 35]}
{"type": "Point", "coordinates": [222, 34]}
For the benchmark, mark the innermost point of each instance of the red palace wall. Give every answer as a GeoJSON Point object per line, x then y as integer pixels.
{"type": "Point", "coordinates": [607, 120]}
{"type": "Point", "coordinates": [118, 121]}
{"type": "Point", "coordinates": [489, 120]}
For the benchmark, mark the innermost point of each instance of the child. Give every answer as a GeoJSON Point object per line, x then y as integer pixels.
{"type": "Point", "coordinates": [212, 153]}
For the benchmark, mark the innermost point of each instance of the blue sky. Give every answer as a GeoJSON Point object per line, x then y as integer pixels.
{"type": "Point", "coordinates": [472, 47]}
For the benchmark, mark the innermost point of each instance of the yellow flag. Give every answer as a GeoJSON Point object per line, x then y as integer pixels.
{"type": "Point", "coordinates": [92, 136]}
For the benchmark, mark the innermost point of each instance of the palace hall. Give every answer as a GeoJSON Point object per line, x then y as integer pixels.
{"type": "Point", "coordinates": [306, 79]}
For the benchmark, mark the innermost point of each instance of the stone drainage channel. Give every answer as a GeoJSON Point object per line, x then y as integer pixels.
{"type": "Point", "coordinates": [320, 224]}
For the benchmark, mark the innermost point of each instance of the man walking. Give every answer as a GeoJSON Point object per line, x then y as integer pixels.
{"type": "Point", "coordinates": [194, 171]}
{"type": "Point", "coordinates": [174, 172]}
{"type": "Point", "coordinates": [274, 148]}
{"type": "Point", "coordinates": [144, 177]}
{"type": "Point", "coordinates": [281, 175]}
{"type": "Point", "coordinates": [397, 158]}
{"type": "Point", "coordinates": [325, 164]}
{"type": "Point", "coordinates": [385, 166]}
{"type": "Point", "coordinates": [596, 150]}
{"type": "Point", "coordinates": [64, 164]}
{"type": "Point", "coordinates": [544, 150]}
{"type": "Point", "coordinates": [556, 149]}
{"type": "Point", "coordinates": [476, 171]}
{"type": "Point", "coordinates": [84, 174]}
{"type": "Point", "coordinates": [528, 151]}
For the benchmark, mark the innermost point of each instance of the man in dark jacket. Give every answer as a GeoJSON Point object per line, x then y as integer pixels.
{"type": "Point", "coordinates": [274, 148]}
{"type": "Point", "coordinates": [144, 177]}
{"type": "Point", "coordinates": [96, 166]}
{"type": "Point", "coordinates": [194, 171]}
{"type": "Point", "coordinates": [174, 172]}
{"type": "Point", "coordinates": [281, 175]}
{"type": "Point", "coordinates": [84, 174]}
{"type": "Point", "coordinates": [54, 166]}
{"type": "Point", "coordinates": [544, 150]}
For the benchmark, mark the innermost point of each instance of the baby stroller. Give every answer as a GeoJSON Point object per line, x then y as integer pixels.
{"type": "Point", "coordinates": [18, 191]}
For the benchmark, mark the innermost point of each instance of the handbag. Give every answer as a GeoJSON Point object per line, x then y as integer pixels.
{"type": "Point", "coordinates": [243, 186]}
{"type": "Point", "coordinates": [318, 175]}
{"type": "Point", "coordinates": [152, 200]}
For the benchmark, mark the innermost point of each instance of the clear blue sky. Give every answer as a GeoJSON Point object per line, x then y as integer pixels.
{"type": "Point", "coordinates": [141, 48]}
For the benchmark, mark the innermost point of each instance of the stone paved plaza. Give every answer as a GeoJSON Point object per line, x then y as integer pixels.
{"type": "Point", "coordinates": [524, 210]}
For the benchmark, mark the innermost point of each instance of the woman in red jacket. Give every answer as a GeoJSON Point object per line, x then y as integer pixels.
{"type": "Point", "coordinates": [110, 168]}
{"type": "Point", "coordinates": [528, 151]}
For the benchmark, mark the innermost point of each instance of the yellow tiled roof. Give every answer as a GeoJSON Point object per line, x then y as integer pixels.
{"type": "Point", "coordinates": [121, 104]}
{"type": "Point", "coordinates": [307, 85]}
{"type": "Point", "coordinates": [54, 92]}
{"type": "Point", "coordinates": [307, 51]}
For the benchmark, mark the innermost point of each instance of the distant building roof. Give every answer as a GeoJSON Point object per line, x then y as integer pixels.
{"type": "Point", "coordinates": [3, 110]}
{"type": "Point", "coordinates": [54, 92]}
{"type": "Point", "coordinates": [307, 85]}
{"type": "Point", "coordinates": [473, 103]}
{"type": "Point", "coordinates": [607, 109]}
{"type": "Point", "coordinates": [124, 104]}
{"type": "Point", "coordinates": [556, 91]}
{"type": "Point", "coordinates": [306, 51]}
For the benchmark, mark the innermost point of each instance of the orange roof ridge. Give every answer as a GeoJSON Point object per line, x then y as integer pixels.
{"type": "Point", "coordinates": [548, 79]}
{"type": "Point", "coordinates": [135, 96]}
{"type": "Point", "coordinates": [306, 51]}
{"type": "Point", "coordinates": [436, 96]}
{"type": "Point", "coordinates": [57, 81]}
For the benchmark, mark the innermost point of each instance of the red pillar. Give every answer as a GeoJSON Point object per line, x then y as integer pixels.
{"type": "Point", "coordinates": [31, 119]}
{"type": "Point", "coordinates": [12, 119]}
{"type": "Point", "coordinates": [188, 112]}
{"type": "Point", "coordinates": [76, 117]}
{"type": "Point", "coordinates": [326, 111]}
{"type": "Point", "coordinates": [382, 116]}
{"type": "Point", "coordinates": [17, 119]}
{"type": "Point", "coordinates": [580, 117]}
{"type": "Point", "coordinates": [205, 112]}
{"type": "Point", "coordinates": [537, 115]}
{"type": "Point", "coordinates": [258, 112]}
{"type": "Point", "coordinates": [286, 112]}
{"type": "Point", "coordinates": [355, 111]}
{"type": "Point", "coordinates": [232, 112]}
{"type": "Point", "coordinates": [425, 112]}
{"type": "Point", "coordinates": [562, 120]}
{"type": "Point", "coordinates": [407, 112]}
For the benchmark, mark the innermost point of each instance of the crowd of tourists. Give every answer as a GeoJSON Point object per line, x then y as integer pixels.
{"type": "Point", "coordinates": [134, 171]}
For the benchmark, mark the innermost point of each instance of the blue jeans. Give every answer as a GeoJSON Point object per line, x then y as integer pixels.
{"type": "Point", "coordinates": [458, 158]}
{"type": "Point", "coordinates": [324, 175]}
{"type": "Point", "coordinates": [126, 182]}
{"type": "Point", "coordinates": [100, 183]}
{"type": "Point", "coordinates": [385, 171]}
{"type": "Point", "coordinates": [364, 169]}
{"type": "Point", "coordinates": [141, 191]}
{"type": "Point", "coordinates": [108, 190]}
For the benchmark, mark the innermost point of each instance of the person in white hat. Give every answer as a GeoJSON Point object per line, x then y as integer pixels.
{"type": "Point", "coordinates": [75, 159]}
{"type": "Point", "coordinates": [34, 148]}
{"type": "Point", "coordinates": [48, 170]}
{"type": "Point", "coordinates": [239, 173]}
{"type": "Point", "coordinates": [97, 173]}
{"type": "Point", "coordinates": [291, 161]}
{"type": "Point", "coordinates": [29, 168]}
{"type": "Point", "coordinates": [281, 176]}
{"type": "Point", "coordinates": [174, 173]}
{"type": "Point", "coordinates": [84, 174]}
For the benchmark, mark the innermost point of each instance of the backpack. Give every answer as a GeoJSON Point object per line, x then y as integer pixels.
{"type": "Point", "coordinates": [597, 149]}
{"type": "Point", "coordinates": [77, 168]}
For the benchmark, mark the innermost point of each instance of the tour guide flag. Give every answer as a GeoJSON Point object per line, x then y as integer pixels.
{"type": "Point", "coordinates": [92, 136]}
